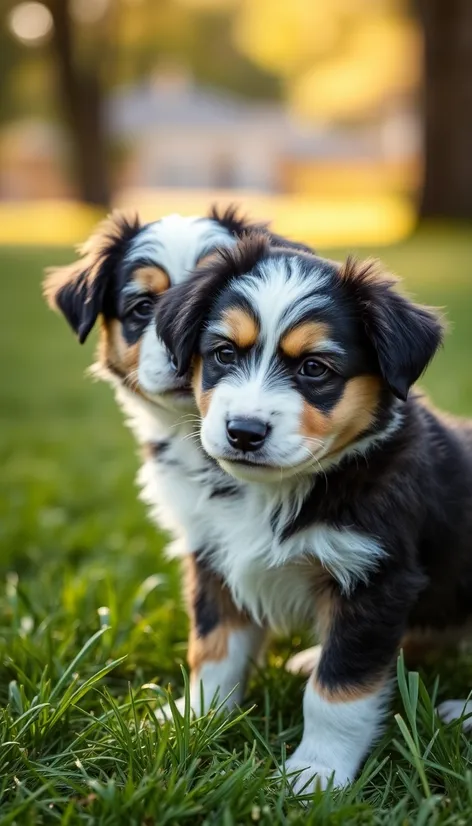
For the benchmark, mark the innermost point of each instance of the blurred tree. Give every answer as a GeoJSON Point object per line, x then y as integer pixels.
{"type": "Point", "coordinates": [94, 45]}
{"type": "Point", "coordinates": [346, 60]}
{"type": "Point", "coordinates": [447, 29]}
{"type": "Point", "coordinates": [80, 83]}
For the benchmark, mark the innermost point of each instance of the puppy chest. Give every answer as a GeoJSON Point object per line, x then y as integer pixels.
{"type": "Point", "coordinates": [280, 597]}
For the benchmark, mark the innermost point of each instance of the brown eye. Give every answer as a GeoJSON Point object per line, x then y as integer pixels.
{"type": "Point", "coordinates": [313, 369]}
{"type": "Point", "coordinates": [142, 310]}
{"type": "Point", "coordinates": [226, 354]}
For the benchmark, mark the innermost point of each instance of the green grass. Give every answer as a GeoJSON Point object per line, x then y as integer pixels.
{"type": "Point", "coordinates": [80, 744]}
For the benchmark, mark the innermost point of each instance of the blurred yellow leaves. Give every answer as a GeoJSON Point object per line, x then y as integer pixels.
{"type": "Point", "coordinates": [285, 36]}
{"type": "Point", "coordinates": [382, 61]}
{"type": "Point", "coordinates": [340, 59]}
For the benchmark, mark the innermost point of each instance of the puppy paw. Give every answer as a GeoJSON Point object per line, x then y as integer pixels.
{"type": "Point", "coordinates": [164, 713]}
{"type": "Point", "coordinates": [304, 662]}
{"type": "Point", "coordinates": [304, 777]}
{"type": "Point", "coordinates": [451, 710]}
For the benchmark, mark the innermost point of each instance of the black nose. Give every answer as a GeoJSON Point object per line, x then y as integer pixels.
{"type": "Point", "coordinates": [246, 434]}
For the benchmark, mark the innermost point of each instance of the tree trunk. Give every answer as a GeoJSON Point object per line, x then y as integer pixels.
{"type": "Point", "coordinates": [82, 103]}
{"type": "Point", "coordinates": [447, 190]}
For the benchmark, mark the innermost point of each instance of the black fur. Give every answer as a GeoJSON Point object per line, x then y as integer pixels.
{"type": "Point", "coordinates": [405, 336]}
{"type": "Point", "coordinates": [182, 313]}
{"type": "Point", "coordinates": [205, 606]}
{"type": "Point", "coordinates": [412, 492]}
{"type": "Point", "coordinates": [238, 225]}
{"type": "Point", "coordinates": [84, 289]}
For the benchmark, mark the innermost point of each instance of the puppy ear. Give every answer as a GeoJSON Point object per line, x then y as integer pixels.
{"type": "Point", "coordinates": [181, 315]}
{"type": "Point", "coordinates": [404, 335]}
{"type": "Point", "coordinates": [81, 290]}
{"type": "Point", "coordinates": [183, 310]}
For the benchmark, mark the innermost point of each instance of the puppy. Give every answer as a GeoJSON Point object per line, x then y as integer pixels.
{"type": "Point", "coordinates": [358, 496]}
{"type": "Point", "coordinates": [124, 269]}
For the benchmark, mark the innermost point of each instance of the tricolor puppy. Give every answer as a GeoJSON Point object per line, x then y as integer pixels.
{"type": "Point", "coordinates": [123, 271]}
{"type": "Point", "coordinates": [358, 508]}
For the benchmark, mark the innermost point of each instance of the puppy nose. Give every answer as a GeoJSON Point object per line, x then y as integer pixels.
{"type": "Point", "coordinates": [246, 434]}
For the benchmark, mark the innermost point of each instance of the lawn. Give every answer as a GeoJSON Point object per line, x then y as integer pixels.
{"type": "Point", "coordinates": [92, 628]}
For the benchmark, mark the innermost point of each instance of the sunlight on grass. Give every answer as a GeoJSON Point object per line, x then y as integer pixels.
{"type": "Point", "coordinates": [93, 629]}
{"type": "Point", "coordinates": [335, 221]}
{"type": "Point", "coordinates": [47, 223]}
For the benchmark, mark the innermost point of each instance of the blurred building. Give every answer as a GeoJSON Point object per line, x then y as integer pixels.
{"type": "Point", "coordinates": [171, 132]}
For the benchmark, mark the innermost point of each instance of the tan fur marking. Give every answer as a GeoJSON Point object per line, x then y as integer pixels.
{"type": "Point", "coordinates": [202, 399]}
{"type": "Point", "coordinates": [314, 423]}
{"type": "Point", "coordinates": [213, 647]}
{"type": "Point", "coordinates": [114, 349]}
{"type": "Point", "coordinates": [304, 339]}
{"type": "Point", "coordinates": [355, 412]}
{"type": "Point", "coordinates": [242, 329]}
{"type": "Point", "coordinates": [348, 693]}
{"type": "Point", "coordinates": [152, 279]}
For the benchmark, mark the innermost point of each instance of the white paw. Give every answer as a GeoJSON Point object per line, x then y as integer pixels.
{"type": "Point", "coordinates": [304, 662]}
{"type": "Point", "coordinates": [452, 710]}
{"type": "Point", "coordinates": [164, 713]}
{"type": "Point", "coordinates": [305, 777]}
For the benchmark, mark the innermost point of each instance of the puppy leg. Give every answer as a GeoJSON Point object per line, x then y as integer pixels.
{"type": "Point", "coordinates": [345, 698]}
{"type": "Point", "coordinates": [222, 642]}
{"type": "Point", "coordinates": [304, 662]}
{"type": "Point", "coordinates": [338, 733]}
{"type": "Point", "coordinates": [451, 710]}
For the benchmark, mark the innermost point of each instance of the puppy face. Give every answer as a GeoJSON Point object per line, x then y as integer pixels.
{"type": "Point", "coordinates": [124, 270]}
{"type": "Point", "coordinates": [297, 359]}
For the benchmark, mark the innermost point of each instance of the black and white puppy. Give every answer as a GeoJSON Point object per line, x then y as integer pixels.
{"type": "Point", "coordinates": [124, 269]}
{"type": "Point", "coordinates": [357, 515]}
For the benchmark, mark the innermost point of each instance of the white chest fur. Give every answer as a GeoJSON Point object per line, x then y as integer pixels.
{"type": "Point", "coordinates": [272, 579]}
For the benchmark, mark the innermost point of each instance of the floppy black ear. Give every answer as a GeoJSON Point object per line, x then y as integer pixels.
{"type": "Point", "coordinates": [405, 335]}
{"type": "Point", "coordinates": [181, 315]}
{"type": "Point", "coordinates": [82, 290]}
{"type": "Point", "coordinates": [238, 225]}
{"type": "Point", "coordinates": [183, 310]}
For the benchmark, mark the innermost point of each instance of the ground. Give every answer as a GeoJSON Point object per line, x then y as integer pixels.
{"type": "Point", "coordinates": [77, 553]}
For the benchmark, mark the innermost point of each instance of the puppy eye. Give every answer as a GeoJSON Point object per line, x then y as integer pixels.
{"type": "Point", "coordinates": [226, 354]}
{"type": "Point", "coordinates": [313, 369]}
{"type": "Point", "coordinates": [142, 310]}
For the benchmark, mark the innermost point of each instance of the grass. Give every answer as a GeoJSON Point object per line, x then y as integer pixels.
{"type": "Point", "coordinates": [92, 629]}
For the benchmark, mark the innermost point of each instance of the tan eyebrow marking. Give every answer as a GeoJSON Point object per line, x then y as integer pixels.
{"type": "Point", "coordinates": [242, 328]}
{"type": "Point", "coordinates": [304, 339]}
{"type": "Point", "coordinates": [152, 279]}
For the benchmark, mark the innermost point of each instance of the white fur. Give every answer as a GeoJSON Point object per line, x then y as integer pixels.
{"type": "Point", "coordinates": [176, 243]}
{"type": "Point", "coordinates": [239, 535]}
{"type": "Point", "coordinates": [267, 576]}
{"type": "Point", "coordinates": [279, 299]}
{"type": "Point", "coordinates": [221, 683]}
{"type": "Point", "coordinates": [451, 710]}
{"type": "Point", "coordinates": [224, 681]}
{"type": "Point", "coordinates": [279, 407]}
{"type": "Point", "coordinates": [280, 294]}
{"type": "Point", "coordinates": [336, 738]}
{"type": "Point", "coordinates": [270, 578]}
